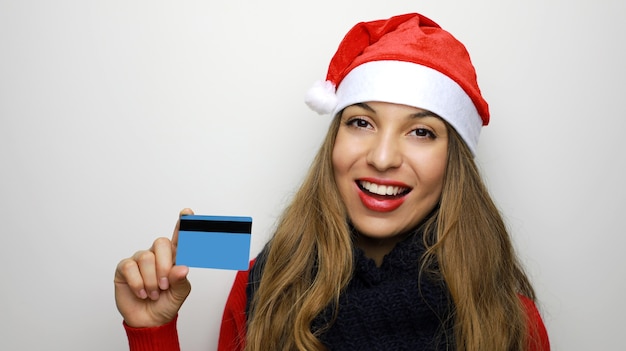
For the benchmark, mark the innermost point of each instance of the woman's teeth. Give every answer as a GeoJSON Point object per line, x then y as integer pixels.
{"type": "Point", "coordinates": [382, 189]}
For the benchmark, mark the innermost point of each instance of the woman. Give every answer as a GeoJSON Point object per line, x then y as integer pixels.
{"type": "Point", "coordinates": [392, 242]}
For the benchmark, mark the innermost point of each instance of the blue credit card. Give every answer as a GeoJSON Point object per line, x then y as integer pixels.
{"type": "Point", "coordinates": [221, 242]}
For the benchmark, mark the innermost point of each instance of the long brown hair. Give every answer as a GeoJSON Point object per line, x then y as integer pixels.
{"type": "Point", "coordinates": [477, 260]}
{"type": "Point", "coordinates": [309, 261]}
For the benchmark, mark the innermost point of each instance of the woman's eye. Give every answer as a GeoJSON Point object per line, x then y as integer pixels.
{"type": "Point", "coordinates": [358, 122]}
{"type": "Point", "coordinates": [423, 133]}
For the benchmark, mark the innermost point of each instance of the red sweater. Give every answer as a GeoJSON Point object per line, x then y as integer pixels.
{"type": "Point", "coordinates": [233, 329]}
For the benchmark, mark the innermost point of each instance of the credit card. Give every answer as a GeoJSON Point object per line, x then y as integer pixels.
{"type": "Point", "coordinates": [221, 242]}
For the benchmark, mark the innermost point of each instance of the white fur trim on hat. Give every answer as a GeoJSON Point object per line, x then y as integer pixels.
{"type": "Point", "coordinates": [321, 97]}
{"type": "Point", "coordinates": [414, 85]}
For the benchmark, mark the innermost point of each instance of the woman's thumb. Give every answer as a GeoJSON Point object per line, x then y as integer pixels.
{"type": "Point", "coordinates": [180, 287]}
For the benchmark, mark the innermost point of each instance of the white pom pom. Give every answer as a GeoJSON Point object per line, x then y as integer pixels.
{"type": "Point", "coordinates": [321, 97]}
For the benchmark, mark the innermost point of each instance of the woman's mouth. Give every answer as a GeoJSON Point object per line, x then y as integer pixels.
{"type": "Point", "coordinates": [384, 190]}
{"type": "Point", "coordinates": [381, 197]}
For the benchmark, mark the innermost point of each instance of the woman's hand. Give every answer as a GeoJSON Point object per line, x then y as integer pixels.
{"type": "Point", "coordinates": [149, 288]}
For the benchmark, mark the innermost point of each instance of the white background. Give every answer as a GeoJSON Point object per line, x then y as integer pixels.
{"type": "Point", "coordinates": [114, 115]}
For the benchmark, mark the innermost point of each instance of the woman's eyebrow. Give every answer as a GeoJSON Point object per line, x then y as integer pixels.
{"type": "Point", "coordinates": [420, 114]}
{"type": "Point", "coordinates": [364, 106]}
{"type": "Point", "coordinates": [423, 114]}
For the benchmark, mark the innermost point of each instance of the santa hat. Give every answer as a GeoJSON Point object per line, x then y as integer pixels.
{"type": "Point", "coordinates": [409, 60]}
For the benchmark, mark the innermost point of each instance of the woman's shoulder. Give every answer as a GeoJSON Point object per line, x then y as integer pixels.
{"type": "Point", "coordinates": [538, 337]}
{"type": "Point", "coordinates": [233, 327]}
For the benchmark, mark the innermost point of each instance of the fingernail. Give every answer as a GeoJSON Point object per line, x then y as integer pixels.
{"type": "Point", "coordinates": [143, 294]}
{"type": "Point", "coordinates": [164, 283]}
{"type": "Point", "coordinates": [154, 295]}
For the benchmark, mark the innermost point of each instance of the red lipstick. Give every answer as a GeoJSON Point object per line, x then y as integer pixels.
{"type": "Point", "coordinates": [381, 203]}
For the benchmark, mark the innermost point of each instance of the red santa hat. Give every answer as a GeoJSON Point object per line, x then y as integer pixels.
{"type": "Point", "coordinates": [409, 60]}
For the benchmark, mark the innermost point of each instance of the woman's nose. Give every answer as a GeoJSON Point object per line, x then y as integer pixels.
{"type": "Point", "coordinates": [384, 153]}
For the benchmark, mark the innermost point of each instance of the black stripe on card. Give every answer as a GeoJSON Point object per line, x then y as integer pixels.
{"type": "Point", "coordinates": [195, 225]}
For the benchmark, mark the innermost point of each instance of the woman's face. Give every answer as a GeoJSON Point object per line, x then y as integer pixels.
{"type": "Point", "coordinates": [389, 161]}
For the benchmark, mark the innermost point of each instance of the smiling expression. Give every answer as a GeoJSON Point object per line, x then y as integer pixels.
{"type": "Point", "coordinates": [389, 162]}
